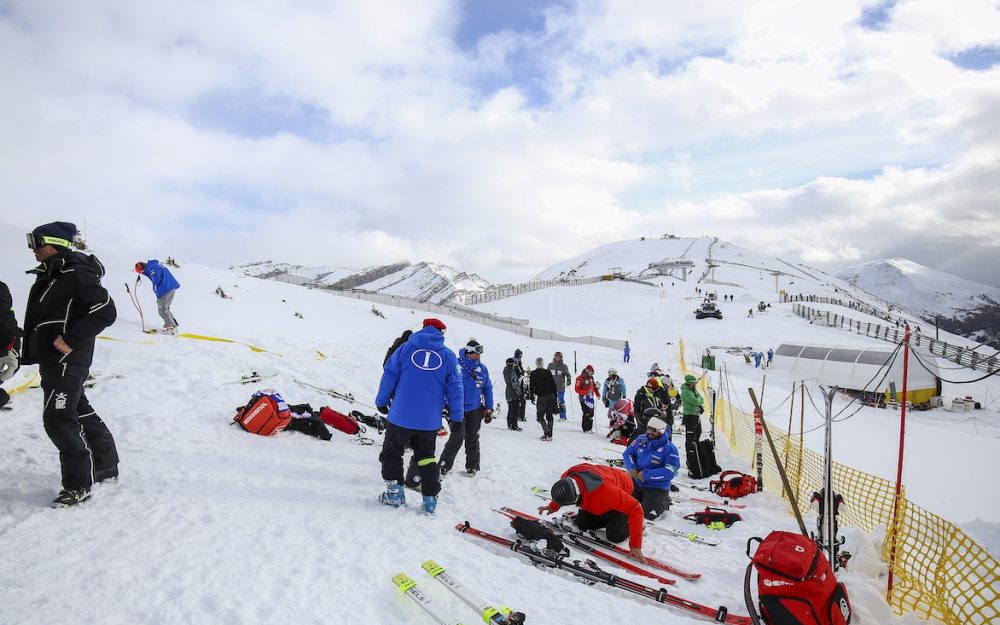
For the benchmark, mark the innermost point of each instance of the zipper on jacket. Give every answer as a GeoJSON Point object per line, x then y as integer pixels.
{"type": "Point", "coordinates": [46, 291]}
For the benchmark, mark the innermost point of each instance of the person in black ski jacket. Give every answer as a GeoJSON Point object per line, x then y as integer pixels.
{"type": "Point", "coordinates": [514, 394]}
{"type": "Point", "coordinates": [9, 343]}
{"type": "Point", "coordinates": [652, 395]}
{"type": "Point", "coordinates": [543, 392]}
{"type": "Point", "coordinates": [67, 308]}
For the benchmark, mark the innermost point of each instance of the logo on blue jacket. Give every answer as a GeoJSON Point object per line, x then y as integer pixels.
{"type": "Point", "coordinates": [426, 359]}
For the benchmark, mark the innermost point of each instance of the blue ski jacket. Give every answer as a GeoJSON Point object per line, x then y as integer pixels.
{"type": "Point", "coordinates": [420, 377]}
{"type": "Point", "coordinates": [658, 460]}
{"type": "Point", "coordinates": [476, 382]}
{"type": "Point", "coordinates": [613, 391]}
{"type": "Point", "coordinates": [163, 281]}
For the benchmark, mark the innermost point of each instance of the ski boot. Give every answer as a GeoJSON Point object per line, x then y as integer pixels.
{"type": "Point", "coordinates": [67, 498]}
{"type": "Point", "coordinates": [393, 495]}
{"type": "Point", "coordinates": [430, 504]}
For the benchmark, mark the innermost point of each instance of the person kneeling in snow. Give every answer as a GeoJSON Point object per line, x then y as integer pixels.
{"type": "Point", "coordinates": [604, 495]}
{"type": "Point", "coordinates": [652, 460]}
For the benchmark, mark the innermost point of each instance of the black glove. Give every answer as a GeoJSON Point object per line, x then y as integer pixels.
{"type": "Point", "coordinates": [701, 410]}
{"type": "Point", "coordinates": [606, 403]}
{"type": "Point", "coordinates": [383, 409]}
{"type": "Point", "coordinates": [488, 416]}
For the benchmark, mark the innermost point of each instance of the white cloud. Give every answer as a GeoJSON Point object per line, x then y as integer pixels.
{"type": "Point", "coordinates": [756, 142]}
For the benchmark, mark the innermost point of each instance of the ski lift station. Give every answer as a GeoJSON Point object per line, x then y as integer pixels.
{"type": "Point", "coordinates": [672, 268]}
{"type": "Point", "coordinates": [861, 370]}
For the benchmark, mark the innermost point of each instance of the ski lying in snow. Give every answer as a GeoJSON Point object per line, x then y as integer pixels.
{"type": "Point", "coordinates": [94, 378]}
{"type": "Point", "coordinates": [561, 526]}
{"type": "Point", "coordinates": [689, 535]}
{"type": "Point", "coordinates": [348, 397]}
{"type": "Point", "coordinates": [252, 378]}
{"type": "Point", "coordinates": [409, 588]}
{"type": "Point", "coordinates": [578, 541]}
{"type": "Point", "coordinates": [589, 572]}
{"type": "Point", "coordinates": [725, 503]}
{"type": "Point", "coordinates": [611, 462]}
{"type": "Point", "coordinates": [490, 614]}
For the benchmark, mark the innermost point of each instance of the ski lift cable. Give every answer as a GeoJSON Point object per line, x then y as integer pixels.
{"type": "Point", "coordinates": [926, 368]}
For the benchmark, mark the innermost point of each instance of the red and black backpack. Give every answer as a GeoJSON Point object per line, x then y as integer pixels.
{"type": "Point", "coordinates": [733, 485]}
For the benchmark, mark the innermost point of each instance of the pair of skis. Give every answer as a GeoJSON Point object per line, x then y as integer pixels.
{"type": "Point", "coordinates": [489, 613]}
{"type": "Point", "coordinates": [252, 378]}
{"type": "Point", "coordinates": [348, 397]}
{"type": "Point", "coordinates": [590, 573]}
{"type": "Point", "coordinates": [576, 536]}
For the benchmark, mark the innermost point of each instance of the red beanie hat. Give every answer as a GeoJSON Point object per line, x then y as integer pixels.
{"type": "Point", "coordinates": [437, 323]}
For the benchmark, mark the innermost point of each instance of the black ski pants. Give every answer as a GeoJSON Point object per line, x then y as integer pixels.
{"type": "Point", "coordinates": [615, 523]}
{"type": "Point", "coordinates": [422, 442]}
{"type": "Point", "coordinates": [654, 501]}
{"type": "Point", "coordinates": [465, 431]}
{"type": "Point", "coordinates": [545, 409]}
{"type": "Point", "coordinates": [692, 427]}
{"type": "Point", "coordinates": [515, 412]}
{"type": "Point", "coordinates": [588, 416]}
{"type": "Point", "coordinates": [87, 451]}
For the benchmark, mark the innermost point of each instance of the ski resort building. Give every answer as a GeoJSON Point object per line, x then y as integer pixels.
{"type": "Point", "coordinates": [862, 370]}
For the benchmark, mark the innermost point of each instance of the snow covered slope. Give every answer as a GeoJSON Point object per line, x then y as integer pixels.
{"type": "Point", "coordinates": [925, 291]}
{"type": "Point", "coordinates": [212, 525]}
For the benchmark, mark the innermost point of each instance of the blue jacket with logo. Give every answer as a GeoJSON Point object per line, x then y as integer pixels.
{"type": "Point", "coordinates": [163, 281]}
{"type": "Point", "coordinates": [656, 458]}
{"type": "Point", "coordinates": [419, 379]}
{"type": "Point", "coordinates": [476, 382]}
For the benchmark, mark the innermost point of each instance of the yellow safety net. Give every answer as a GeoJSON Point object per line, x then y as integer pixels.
{"type": "Point", "coordinates": [940, 571]}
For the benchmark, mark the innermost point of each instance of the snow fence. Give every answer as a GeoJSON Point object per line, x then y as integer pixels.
{"type": "Point", "coordinates": [940, 571]}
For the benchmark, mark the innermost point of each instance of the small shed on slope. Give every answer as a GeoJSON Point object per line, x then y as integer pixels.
{"type": "Point", "coordinates": [869, 370]}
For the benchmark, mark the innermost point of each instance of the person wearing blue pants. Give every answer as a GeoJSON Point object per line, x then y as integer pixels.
{"type": "Point", "coordinates": [560, 371]}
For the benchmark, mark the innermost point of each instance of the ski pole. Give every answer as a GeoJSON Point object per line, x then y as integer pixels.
{"type": "Point", "coordinates": [135, 304]}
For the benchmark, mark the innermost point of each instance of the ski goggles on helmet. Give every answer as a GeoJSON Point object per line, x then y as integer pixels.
{"type": "Point", "coordinates": [474, 349]}
{"type": "Point", "coordinates": [36, 241]}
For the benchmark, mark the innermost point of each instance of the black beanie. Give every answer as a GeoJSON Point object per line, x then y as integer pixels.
{"type": "Point", "coordinates": [57, 229]}
{"type": "Point", "coordinates": [565, 492]}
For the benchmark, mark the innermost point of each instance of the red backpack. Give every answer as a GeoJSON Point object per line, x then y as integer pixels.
{"type": "Point", "coordinates": [733, 485]}
{"type": "Point", "coordinates": [795, 583]}
{"type": "Point", "coordinates": [265, 414]}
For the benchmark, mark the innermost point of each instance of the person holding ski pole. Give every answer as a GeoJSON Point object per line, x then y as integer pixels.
{"type": "Point", "coordinates": [605, 497]}
{"type": "Point", "coordinates": [586, 388]}
{"type": "Point", "coordinates": [164, 286]}
{"type": "Point", "coordinates": [67, 308]}
{"type": "Point", "coordinates": [9, 340]}
{"type": "Point", "coordinates": [420, 377]}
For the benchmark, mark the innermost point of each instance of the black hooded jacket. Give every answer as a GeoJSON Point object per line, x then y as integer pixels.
{"type": "Point", "coordinates": [66, 299]}
{"type": "Point", "coordinates": [8, 324]}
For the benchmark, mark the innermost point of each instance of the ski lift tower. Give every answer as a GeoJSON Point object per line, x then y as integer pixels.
{"type": "Point", "coordinates": [777, 289]}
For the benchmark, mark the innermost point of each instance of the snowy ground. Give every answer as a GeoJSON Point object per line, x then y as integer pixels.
{"type": "Point", "coordinates": [212, 525]}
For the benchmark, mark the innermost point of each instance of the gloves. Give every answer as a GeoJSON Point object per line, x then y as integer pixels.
{"type": "Point", "coordinates": [383, 409]}
{"type": "Point", "coordinates": [8, 365]}
{"type": "Point", "coordinates": [488, 416]}
{"type": "Point", "coordinates": [701, 410]}
{"type": "Point", "coordinates": [607, 404]}
{"type": "Point", "coordinates": [532, 399]}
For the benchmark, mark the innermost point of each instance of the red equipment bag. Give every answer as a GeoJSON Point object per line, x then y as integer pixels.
{"type": "Point", "coordinates": [733, 485]}
{"type": "Point", "coordinates": [714, 515]}
{"type": "Point", "coordinates": [340, 421]}
{"type": "Point", "coordinates": [265, 414]}
{"type": "Point", "coordinates": [795, 583]}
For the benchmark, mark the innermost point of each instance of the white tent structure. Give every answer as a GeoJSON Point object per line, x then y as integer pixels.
{"type": "Point", "coordinates": [868, 370]}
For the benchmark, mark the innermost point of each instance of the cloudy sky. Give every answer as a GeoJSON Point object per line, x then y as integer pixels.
{"type": "Point", "coordinates": [501, 136]}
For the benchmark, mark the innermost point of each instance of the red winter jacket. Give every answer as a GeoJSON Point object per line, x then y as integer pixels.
{"type": "Point", "coordinates": [585, 385]}
{"type": "Point", "coordinates": [603, 489]}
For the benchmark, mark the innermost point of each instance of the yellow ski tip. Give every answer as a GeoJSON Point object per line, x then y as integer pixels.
{"type": "Point", "coordinates": [433, 568]}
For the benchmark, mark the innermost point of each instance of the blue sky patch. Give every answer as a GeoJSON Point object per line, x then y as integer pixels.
{"type": "Point", "coordinates": [878, 16]}
{"type": "Point", "coordinates": [979, 58]}
{"type": "Point", "coordinates": [251, 113]}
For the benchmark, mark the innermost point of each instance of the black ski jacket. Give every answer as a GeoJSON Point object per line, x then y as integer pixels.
{"type": "Point", "coordinates": [541, 382]}
{"type": "Point", "coordinates": [8, 324]}
{"type": "Point", "coordinates": [66, 299]}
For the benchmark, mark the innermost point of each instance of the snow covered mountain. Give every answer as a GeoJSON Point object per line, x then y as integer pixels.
{"type": "Point", "coordinates": [424, 282]}
{"type": "Point", "coordinates": [968, 308]}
